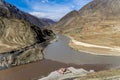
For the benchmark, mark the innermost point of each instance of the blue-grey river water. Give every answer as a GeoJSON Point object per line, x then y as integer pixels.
{"type": "Point", "coordinates": [60, 51]}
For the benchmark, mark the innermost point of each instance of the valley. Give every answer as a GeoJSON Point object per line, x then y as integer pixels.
{"type": "Point", "coordinates": [32, 45]}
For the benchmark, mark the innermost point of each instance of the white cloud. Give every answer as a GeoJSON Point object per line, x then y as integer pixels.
{"type": "Point", "coordinates": [44, 1]}
{"type": "Point", "coordinates": [39, 14]}
{"type": "Point", "coordinates": [50, 15]}
{"type": "Point", "coordinates": [48, 11]}
{"type": "Point", "coordinates": [43, 9]}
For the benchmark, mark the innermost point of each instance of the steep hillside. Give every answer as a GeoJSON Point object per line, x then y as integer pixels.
{"type": "Point", "coordinates": [96, 23]}
{"type": "Point", "coordinates": [21, 41]}
{"type": "Point", "coordinates": [65, 21]}
{"type": "Point", "coordinates": [13, 12]}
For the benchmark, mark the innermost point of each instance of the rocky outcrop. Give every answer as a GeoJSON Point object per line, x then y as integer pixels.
{"type": "Point", "coordinates": [21, 41]}
{"type": "Point", "coordinates": [70, 74]}
{"type": "Point", "coordinates": [82, 74]}
{"type": "Point", "coordinates": [21, 56]}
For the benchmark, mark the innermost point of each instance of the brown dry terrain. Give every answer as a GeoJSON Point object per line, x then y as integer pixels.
{"type": "Point", "coordinates": [93, 50]}
{"type": "Point", "coordinates": [22, 36]}
{"type": "Point", "coordinates": [96, 23]}
{"type": "Point", "coordinates": [102, 75]}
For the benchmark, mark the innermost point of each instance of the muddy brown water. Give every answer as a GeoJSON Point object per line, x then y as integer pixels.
{"type": "Point", "coordinates": [38, 69]}
{"type": "Point", "coordinates": [57, 55]}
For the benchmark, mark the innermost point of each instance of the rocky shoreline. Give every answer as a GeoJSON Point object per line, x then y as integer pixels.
{"type": "Point", "coordinates": [23, 55]}
{"type": "Point", "coordinates": [9, 59]}
{"type": "Point", "coordinates": [22, 36]}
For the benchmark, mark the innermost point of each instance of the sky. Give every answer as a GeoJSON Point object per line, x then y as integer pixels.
{"type": "Point", "coordinates": [53, 9]}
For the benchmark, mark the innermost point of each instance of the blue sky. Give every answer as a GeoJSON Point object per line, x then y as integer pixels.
{"type": "Point", "coordinates": [53, 9]}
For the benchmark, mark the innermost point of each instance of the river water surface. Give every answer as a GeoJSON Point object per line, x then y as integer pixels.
{"type": "Point", "coordinates": [60, 51]}
{"type": "Point", "coordinates": [57, 55]}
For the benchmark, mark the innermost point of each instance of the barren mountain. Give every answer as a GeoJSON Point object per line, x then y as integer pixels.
{"type": "Point", "coordinates": [65, 21]}
{"type": "Point", "coordinates": [11, 11]}
{"type": "Point", "coordinates": [21, 41]}
{"type": "Point", "coordinates": [98, 23]}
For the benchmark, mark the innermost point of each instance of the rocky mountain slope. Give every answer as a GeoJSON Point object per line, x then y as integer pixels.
{"type": "Point", "coordinates": [21, 41]}
{"type": "Point", "coordinates": [96, 23]}
{"type": "Point", "coordinates": [13, 12]}
{"type": "Point", "coordinates": [63, 23]}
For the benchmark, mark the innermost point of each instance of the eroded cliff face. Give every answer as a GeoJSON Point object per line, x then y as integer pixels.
{"type": "Point", "coordinates": [21, 41]}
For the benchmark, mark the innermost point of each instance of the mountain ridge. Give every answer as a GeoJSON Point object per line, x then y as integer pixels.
{"type": "Point", "coordinates": [21, 41]}
{"type": "Point", "coordinates": [16, 13]}
{"type": "Point", "coordinates": [96, 23]}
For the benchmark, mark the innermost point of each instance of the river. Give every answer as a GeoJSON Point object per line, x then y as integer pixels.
{"type": "Point", "coordinates": [57, 55]}
{"type": "Point", "coordinates": [60, 51]}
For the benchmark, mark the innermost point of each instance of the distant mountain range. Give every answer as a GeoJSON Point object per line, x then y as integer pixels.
{"type": "Point", "coordinates": [11, 11]}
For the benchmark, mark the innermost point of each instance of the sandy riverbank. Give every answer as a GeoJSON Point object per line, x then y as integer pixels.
{"type": "Point", "coordinates": [94, 49]}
